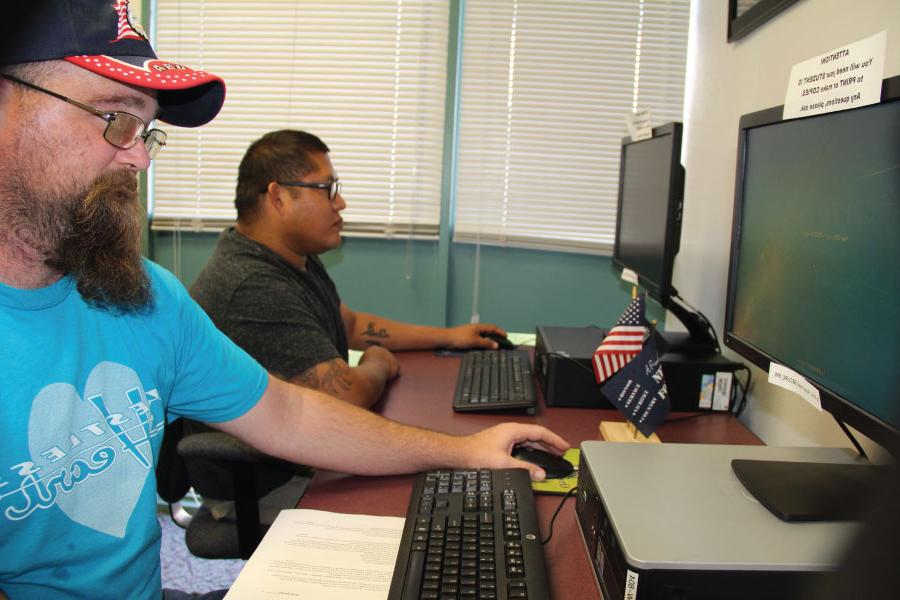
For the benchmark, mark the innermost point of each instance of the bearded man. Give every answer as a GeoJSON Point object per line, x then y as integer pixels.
{"type": "Point", "coordinates": [101, 347]}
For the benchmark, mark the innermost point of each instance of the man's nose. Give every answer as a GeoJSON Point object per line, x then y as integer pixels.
{"type": "Point", "coordinates": [136, 157]}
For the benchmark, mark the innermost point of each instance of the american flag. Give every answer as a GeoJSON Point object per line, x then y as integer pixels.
{"type": "Point", "coordinates": [128, 27]}
{"type": "Point", "coordinates": [623, 342]}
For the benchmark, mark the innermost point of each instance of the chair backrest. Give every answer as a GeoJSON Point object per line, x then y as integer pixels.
{"type": "Point", "coordinates": [211, 458]}
{"type": "Point", "coordinates": [222, 467]}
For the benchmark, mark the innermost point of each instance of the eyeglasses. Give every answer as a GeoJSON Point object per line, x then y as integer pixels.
{"type": "Point", "coordinates": [123, 129]}
{"type": "Point", "coordinates": [334, 188]}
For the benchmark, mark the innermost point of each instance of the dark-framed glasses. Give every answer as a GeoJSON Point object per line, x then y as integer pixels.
{"type": "Point", "coordinates": [123, 129]}
{"type": "Point", "coordinates": [334, 188]}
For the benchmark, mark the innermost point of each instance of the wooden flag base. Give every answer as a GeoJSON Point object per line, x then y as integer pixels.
{"type": "Point", "coordinates": [617, 431]}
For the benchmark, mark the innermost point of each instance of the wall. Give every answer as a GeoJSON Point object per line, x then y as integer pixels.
{"type": "Point", "coordinates": [728, 80]}
{"type": "Point", "coordinates": [401, 279]}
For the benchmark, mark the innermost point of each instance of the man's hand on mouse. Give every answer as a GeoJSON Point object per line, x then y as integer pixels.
{"type": "Point", "coordinates": [492, 447]}
{"type": "Point", "coordinates": [468, 336]}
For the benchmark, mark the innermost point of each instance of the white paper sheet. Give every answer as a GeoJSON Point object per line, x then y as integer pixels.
{"type": "Point", "coordinates": [793, 381]}
{"type": "Point", "coordinates": [629, 276]}
{"type": "Point", "coordinates": [322, 555]}
{"type": "Point", "coordinates": [638, 123]}
{"type": "Point", "coordinates": [846, 77]}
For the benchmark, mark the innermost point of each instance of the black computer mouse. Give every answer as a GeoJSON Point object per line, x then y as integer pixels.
{"type": "Point", "coordinates": [502, 341]}
{"type": "Point", "coordinates": [554, 466]}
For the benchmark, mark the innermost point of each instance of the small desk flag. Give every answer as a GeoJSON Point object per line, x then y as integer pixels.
{"type": "Point", "coordinates": [639, 390]}
{"type": "Point", "coordinates": [623, 342]}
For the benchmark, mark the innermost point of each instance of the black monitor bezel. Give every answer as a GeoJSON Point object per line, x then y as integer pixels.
{"type": "Point", "coordinates": [841, 408]}
{"type": "Point", "coordinates": [661, 290]}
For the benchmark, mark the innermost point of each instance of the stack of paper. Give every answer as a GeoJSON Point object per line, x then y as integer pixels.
{"type": "Point", "coordinates": [322, 555]}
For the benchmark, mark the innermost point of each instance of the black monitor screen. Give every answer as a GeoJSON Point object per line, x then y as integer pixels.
{"type": "Point", "coordinates": [651, 184]}
{"type": "Point", "coordinates": [815, 269]}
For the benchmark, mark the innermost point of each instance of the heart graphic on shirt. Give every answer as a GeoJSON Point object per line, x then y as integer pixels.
{"type": "Point", "coordinates": [92, 451]}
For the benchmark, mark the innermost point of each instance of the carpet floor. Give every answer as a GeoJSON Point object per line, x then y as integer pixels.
{"type": "Point", "coordinates": [183, 571]}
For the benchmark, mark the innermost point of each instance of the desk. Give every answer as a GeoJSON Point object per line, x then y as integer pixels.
{"type": "Point", "coordinates": [423, 395]}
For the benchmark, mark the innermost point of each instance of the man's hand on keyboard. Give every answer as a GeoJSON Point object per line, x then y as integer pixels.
{"type": "Point", "coordinates": [491, 448]}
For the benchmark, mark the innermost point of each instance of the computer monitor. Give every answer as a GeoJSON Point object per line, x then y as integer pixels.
{"type": "Point", "coordinates": [814, 277]}
{"type": "Point", "coordinates": [648, 223]}
{"type": "Point", "coordinates": [648, 226]}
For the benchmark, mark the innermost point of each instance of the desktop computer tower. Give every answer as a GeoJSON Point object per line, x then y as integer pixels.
{"type": "Point", "coordinates": [562, 363]}
{"type": "Point", "coordinates": [672, 522]}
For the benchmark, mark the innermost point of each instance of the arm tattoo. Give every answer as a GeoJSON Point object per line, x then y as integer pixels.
{"type": "Point", "coordinates": [334, 380]}
{"type": "Point", "coordinates": [372, 333]}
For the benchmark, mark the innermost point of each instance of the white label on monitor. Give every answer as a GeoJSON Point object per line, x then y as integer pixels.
{"type": "Point", "coordinates": [638, 123]}
{"type": "Point", "coordinates": [631, 585]}
{"type": "Point", "coordinates": [794, 382]}
{"type": "Point", "coordinates": [629, 276]}
{"type": "Point", "coordinates": [846, 77]}
{"type": "Point", "coordinates": [722, 395]}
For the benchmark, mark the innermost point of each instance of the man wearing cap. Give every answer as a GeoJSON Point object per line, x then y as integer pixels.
{"type": "Point", "coordinates": [101, 347]}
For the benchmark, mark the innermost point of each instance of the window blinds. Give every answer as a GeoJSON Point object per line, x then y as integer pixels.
{"type": "Point", "coordinates": [367, 76]}
{"type": "Point", "coordinates": [545, 87]}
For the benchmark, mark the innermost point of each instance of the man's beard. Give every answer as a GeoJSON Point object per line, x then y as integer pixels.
{"type": "Point", "coordinates": [96, 238]}
{"type": "Point", "coordinates": [93, 235]}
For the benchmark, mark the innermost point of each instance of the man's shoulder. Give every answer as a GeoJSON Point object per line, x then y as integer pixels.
{"type": "Point", "coordinates": [233, 260]}
{"type": "Point", "coordinates": [242, 275]}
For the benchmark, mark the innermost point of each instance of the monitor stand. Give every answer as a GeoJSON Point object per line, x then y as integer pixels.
{"type": "Point", "coordinates": [809, 491]}
{"type": "Point", "coordinates": [699, 339]}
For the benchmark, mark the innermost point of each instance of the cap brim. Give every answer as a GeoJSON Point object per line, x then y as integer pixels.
{"type": "Point", "coordinates": [186, 97]}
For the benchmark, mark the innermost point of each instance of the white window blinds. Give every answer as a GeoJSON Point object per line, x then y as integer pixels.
{"type": "Point", "coordinates": [366, 76]}
{"type": "Point", "coordinates": [545, 87]}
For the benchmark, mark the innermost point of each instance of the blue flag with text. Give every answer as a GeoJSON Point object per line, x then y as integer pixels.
{"type": "Point", "coordinates": [639, 390]}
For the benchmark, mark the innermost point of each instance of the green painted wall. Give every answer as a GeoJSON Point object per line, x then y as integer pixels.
{"type": "Point", "coordinates": [520, 289]}
{"type": "Point", "coordinates": [402, 279]}
{"type": "Point", "coordinates": [194, 251]}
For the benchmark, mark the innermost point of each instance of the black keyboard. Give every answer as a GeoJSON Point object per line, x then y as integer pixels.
{"type": "Point", "coordinates": [471, 534]}
{"type": "Point", "coordinates": [495, 380]}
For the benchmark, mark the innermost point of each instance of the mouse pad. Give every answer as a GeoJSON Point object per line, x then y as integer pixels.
{"type": "Point", "coordinates": [564, 484]}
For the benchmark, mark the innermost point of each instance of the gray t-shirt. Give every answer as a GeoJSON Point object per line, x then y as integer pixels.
{"type": "Point", "coordinates": [287, 319]}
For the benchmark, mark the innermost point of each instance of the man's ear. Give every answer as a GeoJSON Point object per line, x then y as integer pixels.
{"type": "Point", "coordinates": [273, 197]}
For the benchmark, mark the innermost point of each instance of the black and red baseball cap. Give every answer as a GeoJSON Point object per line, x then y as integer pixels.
{"type": "Point", "coordinates": [104, 37]}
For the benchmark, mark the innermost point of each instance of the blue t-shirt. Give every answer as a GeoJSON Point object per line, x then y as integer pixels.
{"type": "Point", "coordinates": [84, 396]}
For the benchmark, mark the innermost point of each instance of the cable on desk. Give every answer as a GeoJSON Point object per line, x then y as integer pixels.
{"type": "Point", "coordinates": [745, 388]}
{"type": "Point", "coordinates": [558, 508]}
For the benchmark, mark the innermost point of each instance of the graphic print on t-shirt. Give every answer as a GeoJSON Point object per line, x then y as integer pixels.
{"type": "Point", "coordinates": [90, 453]}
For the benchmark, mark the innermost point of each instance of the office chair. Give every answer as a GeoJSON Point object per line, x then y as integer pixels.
{"type": "Point", "coordinates": [218, 466]}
